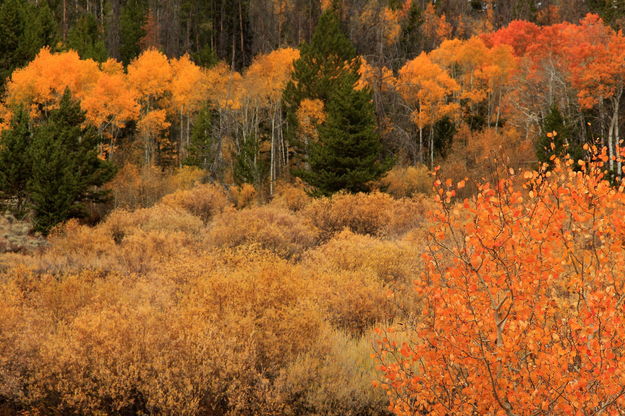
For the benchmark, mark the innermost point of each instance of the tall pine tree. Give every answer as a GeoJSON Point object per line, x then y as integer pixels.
{"type": "Point", "coordinates": [347, 154]}
{"type": "Point", "coordinates": [15, 163]}
{"type": "Point", "coordinates": [65, 169]}
{"type": "Point", "coordinates": [324, 61]}
{"type": "Point", "coordinates": [132, 21]}
{"type": "Point", "coordinates": [87, 38]}
{"type": "Point", "coordinates": [24, 30]}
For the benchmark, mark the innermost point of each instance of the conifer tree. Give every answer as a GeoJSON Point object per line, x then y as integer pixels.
{"type": "Point", "coordinates": [201, 151]}
{"type": "Point", "coordinates": [249, 167]}
{"type": "Point", "coordinates": [556, 138]}
{"type": "Point", "coordinates": [66, 170]}
{"type": "Point", "coordinates": [15, 165]}
{"type": "Point", "coordinates": [348, 154]}
{"type": "Point", "coordinates": [132, 20]}
{"type": "Point", "coordinates": [24, 30]}
{"type": "Point", "coordinates": [410, 40]}
{"type": "Point", "coordinates": [327, 58]}
{"type": "Point", "coordinates": [86, 38]}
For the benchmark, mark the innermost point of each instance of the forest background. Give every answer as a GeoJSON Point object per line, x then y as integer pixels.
{"type": "Point", "coordinates": [203, 278]}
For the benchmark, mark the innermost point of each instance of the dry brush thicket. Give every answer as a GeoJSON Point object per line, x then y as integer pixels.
{"type": "Point", "coordinates": [195, 306]}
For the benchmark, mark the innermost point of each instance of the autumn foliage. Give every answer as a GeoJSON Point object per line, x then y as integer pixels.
{"type": "Point", "coordinates": [211, 282]}
{"type": "Point", "coordinates": [523, 294]}
{"type": "Point", "coordinates": [200, 303]}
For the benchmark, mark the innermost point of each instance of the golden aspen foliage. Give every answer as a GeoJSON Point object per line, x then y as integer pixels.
{"type": "Point", "coordinates": [189, 87]}
{"type": "Point", "coordinates": [41, 84]}
{"type": "Point", "coordinates": [310, 114]}
{"type": "Point", "coordinates": [427, 88]}
{"type": "Point", "coordinates": [268, 75]}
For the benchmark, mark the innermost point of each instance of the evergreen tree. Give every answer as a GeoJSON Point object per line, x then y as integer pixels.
{"type": "Point", "coordinates": [205, 57]}
{"type": "Point", "coordinates": [410, 40]}
{"type": "Point", "coordinates": [132, 21]}
{"type": "Point", "coordinates": [41, 30]}
{"type": "Point", "coordinates": [559, 144]}
{"type": "Point", "coordinates": [444, 131]}
{"type": "Point", "coordinates": [348, 154]}
{"type": "Point", "coordinates": [201, 151]}
{"type": "Point", "coordinates": [65, 166]}
{"type": "Point", "coordinates": [86, 38]}
{"type": "Point", "coordinates": [249, 167]}
{"type": "Point", "coordinates": [24, 30]}
{"type": "Point", "coordinates": [324, 61]}
{"type": "Point", "coordinates": [15, 164]}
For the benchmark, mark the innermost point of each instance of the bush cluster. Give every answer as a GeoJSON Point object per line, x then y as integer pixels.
{"type": "Point", "coordinates": [203, 303]}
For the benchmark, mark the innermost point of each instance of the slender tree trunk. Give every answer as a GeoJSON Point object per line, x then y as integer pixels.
{"type": "Point", "coordinates": [64, 20]}
{"type": "Point", "coordinates": [181, 144]}
{"type": "Point", "coordinates": [617, 139]}
{"type": "Point", "coordinates": [272, 167]}
{"type": "Point", "coordinates": [432, 147]}
{"type": "Point", "coordinates": [611, 143]}
{"type": "Point", "coordinates": [421, 144]}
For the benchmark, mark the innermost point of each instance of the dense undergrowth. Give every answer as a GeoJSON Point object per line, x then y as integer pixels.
{"type": "Point", "coordinates": [207, 303]}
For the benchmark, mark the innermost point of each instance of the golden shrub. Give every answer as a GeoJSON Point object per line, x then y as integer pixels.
{"type": "Point", "coordinates": [92, 344]}
{"type": "Point", "coordinates": [291, 196]}
{"type": "Point", "coordinates": [388, 261]}
{"type": "Point", "coordinates": [193, 307]}
{"type": "Point", "coordinates": [161, 217]}
{"type": "Point", "coordinates": [402, 182]}
{"type": "Point", "coordinates": [203, 201]}
{"type": "Point", "coordinates": [139, 187]}
{"type": "Point", "coordinates": [243, 196]}
{"type": "Point", "coordinates": [127, 241]}
{"type": "Point", "coordinates": [334, 379]}
{"type": "Point", "coordinates": [354, 301]}
{"type": "Point", "coordinates": [273, 228]}
{"type": "Point", "coordinates": [185, 177]}
{"type": "Point", "coordinates": [376, 214]}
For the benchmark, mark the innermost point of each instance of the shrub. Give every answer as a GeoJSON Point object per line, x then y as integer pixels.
{"type": "Point", "coordinates": [403, 182]}
{"type": "Point", "coordinates": [160, 217]}
{"type": "Point", "coordinates": [272, 228]}
{"type": "Point", "coordinates": [93, 343]}
{"type": "Point", "coordinates": [362, 281]}
{"type": "Point", "coordinates": [334, 380]}
{"type": "Point", "coordinates": [375, 214]}
{"type": "Point", "coordinates": [126, 241]}
{"type": "Point", "coordinates": [203, 201]}
{"type": "Point", "coordinates": [291, 196]}
{"type": "Point", "coordinates": [243, 196]}
{"type": "Point", "coordinates": [387, 261]}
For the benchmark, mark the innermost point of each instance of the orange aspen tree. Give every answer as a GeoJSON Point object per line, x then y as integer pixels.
{"type": "Point", "coordinates": [111, 103]}
{"type": "Point", "coordinates": [189, 91]}
{"type": "Point", "coordinates": [435, 28]}
{"type": "Point", "coordinates": [102, 89]}
{"type": "Point", "coordinates": [426, 88]}
{"type": "Point", "coordinates": [41, 84]}
{"type": "Point", "coordinates": [264, 82]}
{"type": "Point", "coordinates": [150, 76]}
{"type": "Point", "coordinates": [483, 73]}
{"type": "Point", "coordinates": [597, 66]}
{"type": "Point", "coordinates": [522, 301]}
